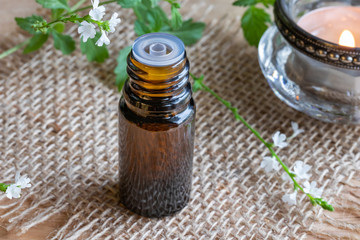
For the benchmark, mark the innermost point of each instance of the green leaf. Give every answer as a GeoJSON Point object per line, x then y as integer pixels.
{"type": "Point", "coordinates": [59, 27]}
{"type": "Point", "coordinates": [190, 32]}
{"type": "Point", "coordinates": [147, 3]}
{"type": "Point", "coordinates": [149, 19]}
{"type": "Point", "coordinates": [141, 28]}
{"type": "Point", "coordinates": [162, 15]}
{"type": "Point", "coordinates": [197, 82]}
{"type": "Point", "coordinates": [120, 70]}
{"type": "Point", "coordinates": [26, 23]}
{"type": "Point", "coordinates": [56, 13]}
{"type": "Point", "coordinates": [54, 4]}
{"type": "Point", "coordinates": [93, 52]}
{"type": "Point", "coordinates": [154, 3]}
{"type": "Point", "coordinates": [150, 3]}
{"type": "Point", "coordinates": [3, 187]}
{"type": "Point", "coordinates": [62, 42]}
{"type": "Point", "coordinates": [254, 24]}
{"type": "Point", "coordinates": [140, 12]}
{"type": "Point", "coordinates": [244, 3]}
{"type": "Point", "coordinates": [128, 3]}
{"type": "Point", "coordinates": [176, 19]}
{"type": "Point", "coordinates": [36, 42]}
{"type": "Point", "coordinates": [134, 3]}
{"type": "Point", "coordinates": [177, 5]}
{"type": "Point", "coordinates": [155, 19]}
{"type": "Point", "coordinates": [266, 3]}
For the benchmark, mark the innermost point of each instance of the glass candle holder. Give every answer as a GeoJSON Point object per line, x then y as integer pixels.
{"type": "Point", "coordinates": [318, 77]}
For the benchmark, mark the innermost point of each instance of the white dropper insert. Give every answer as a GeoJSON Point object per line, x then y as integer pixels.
{"type": "Point", "coordinates": [158, 49]}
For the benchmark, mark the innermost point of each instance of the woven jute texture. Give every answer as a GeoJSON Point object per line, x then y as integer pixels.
{"type": "Point", "coordinates": [58, 124]}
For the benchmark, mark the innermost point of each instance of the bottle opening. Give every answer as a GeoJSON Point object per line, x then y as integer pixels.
{"type": "Point", "coordinates": [158, 49]}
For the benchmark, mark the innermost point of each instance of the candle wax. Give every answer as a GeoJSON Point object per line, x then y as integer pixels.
{"type": "Point", "coordinates": [328, 23]}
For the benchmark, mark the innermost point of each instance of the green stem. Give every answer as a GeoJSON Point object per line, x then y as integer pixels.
{"type": "Point", "coordinates": [3, 187]}
{"type": "Point", "coordinates": [55, 21]}
{"type": "Point", "coordinates": [72, 19]}
{"type": "Point", "coordinates": [14, 49]}
{"type": "Point", "coordinates": [234, 110]}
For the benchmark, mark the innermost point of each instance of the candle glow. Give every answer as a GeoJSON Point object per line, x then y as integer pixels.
{"type": "Point", "coordinates": [347, 39]}
{"type": "Point", "coordinates": [329, 23]}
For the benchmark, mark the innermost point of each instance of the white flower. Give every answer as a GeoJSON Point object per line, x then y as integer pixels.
{"type": "Point", "coordinates": [290, 198]}
{"type": "Point", "coordinates": [286, 177]}
{"type": "Point", "coordinates": [97, 13]}
{"type": "Point", "coordinates": [22, 181]}
{"type": "Point", "coordinates": [279, 140]}
{"type": "Point", "coordinates": [312, 189]}
{"type": "Point", "coordinates": [13, 191]}
{"type": "Point", "coordinates": [269, 164]}
{"type": "Point", "coordinates": [113, 22]}
{"type": "Point", "coordinates": [103, 39]}
{"type": "Point", "coordinates": [301, 169]}
{"type": "Point", "coordinates": [87, 30]}
{"type": "Point", "coordinates": [296, 129]}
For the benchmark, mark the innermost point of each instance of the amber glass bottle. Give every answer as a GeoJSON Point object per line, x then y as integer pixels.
{"type": "Point", "coordinates": [156, 127]}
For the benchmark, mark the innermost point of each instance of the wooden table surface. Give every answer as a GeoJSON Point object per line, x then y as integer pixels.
{"type": "Point", "coordinates": [23, 8]}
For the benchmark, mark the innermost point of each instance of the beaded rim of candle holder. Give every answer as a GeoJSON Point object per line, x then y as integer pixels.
{"type": "Point", "coordinates": [314, 47]}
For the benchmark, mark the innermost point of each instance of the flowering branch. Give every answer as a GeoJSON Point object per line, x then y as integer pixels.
{"type": "Point", "coordinates": [40, 29]}
{"type": "Point", "coordinates": [87, 28]}
{"type": "Point", "coordinates": [278, 141]}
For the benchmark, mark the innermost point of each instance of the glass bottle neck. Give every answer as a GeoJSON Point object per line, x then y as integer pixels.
{"type": "Point", "coordinates": [157, 91]}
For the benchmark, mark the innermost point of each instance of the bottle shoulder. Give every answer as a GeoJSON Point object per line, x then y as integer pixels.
{"type": "Point", "coordinates": [161, 122]}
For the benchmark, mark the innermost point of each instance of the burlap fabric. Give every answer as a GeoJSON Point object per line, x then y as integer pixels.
{"type": "Point", "coordinates": [58, 119]}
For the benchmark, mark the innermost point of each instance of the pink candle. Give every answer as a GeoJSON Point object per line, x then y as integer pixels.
{"type": "Point", "coordinates": [340, 24]}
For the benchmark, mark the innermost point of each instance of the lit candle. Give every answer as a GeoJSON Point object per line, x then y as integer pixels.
{"type": "Point", "coordinates": [312, 59]}
{"type": "Point", "coordinates": [338, 24]}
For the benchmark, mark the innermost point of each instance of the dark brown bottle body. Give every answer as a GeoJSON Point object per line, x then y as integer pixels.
{"type": "Point", "coordinates": [156, 139]}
